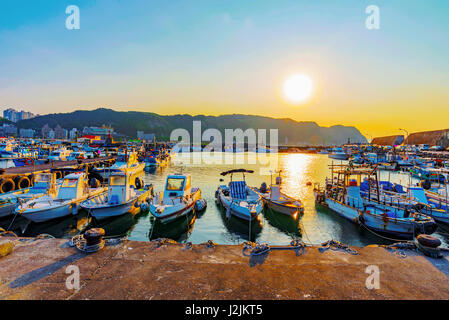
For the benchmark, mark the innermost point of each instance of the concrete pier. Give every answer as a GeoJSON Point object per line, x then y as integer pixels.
{"type": "Point", "coordinates": [36, 269]}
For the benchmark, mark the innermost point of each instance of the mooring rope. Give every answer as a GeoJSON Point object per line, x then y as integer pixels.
{"type": "Point", "coordinates": [380, 236]}
{"type": "Point", "coordinates": [6, 233]}
{"type": "Point", "coordinates": [263, 248]}
{"type": "Point", "coordinates": [80, 243]}
{"type": "Point", "coordinates": [336, 246]}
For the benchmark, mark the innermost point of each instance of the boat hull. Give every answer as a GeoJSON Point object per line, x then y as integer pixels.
{"type": "Point", "coordinates": [234, 208]}
{"type": "Point", "coordinates": [105, 211]}
{"type": "Point", "coordinates": [65, 208]}
{"type": "Point", "coordinates": [338, 156]}
{"type": "Point", "coordinates": [172, 213]}
{"type": "Point", "coordinates": [403, 228]}
{"type": "Point", "coordinates": [7, 209]}
{"type": "Point", "coordinates": [282, 208]}
{"type": "Point", "coordinates": [49, 214]}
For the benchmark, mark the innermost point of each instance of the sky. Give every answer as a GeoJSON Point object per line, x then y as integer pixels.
{"type": "Point", "coordinates": [232, 56]}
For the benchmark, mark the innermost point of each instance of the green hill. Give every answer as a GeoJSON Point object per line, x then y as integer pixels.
{"type": "Point", "coordinates": [128, 123]}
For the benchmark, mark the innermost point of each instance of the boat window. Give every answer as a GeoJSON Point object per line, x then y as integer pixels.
{"type": "Point", "coordinates": [68, 183]}
{"type": "Point", "coordinates": [121, 158]}
{"type": "Point", "coordinates": [42, 178]}
{"type": "Point", "coordinates": [175, 184]}
{"type": "Point", "coordinates": [117, 181]}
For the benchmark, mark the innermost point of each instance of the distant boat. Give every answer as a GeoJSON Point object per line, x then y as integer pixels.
{"type": "Point", "coordinates": [124, 161]}
{"type": "Point", "coordinates": [338, 154]}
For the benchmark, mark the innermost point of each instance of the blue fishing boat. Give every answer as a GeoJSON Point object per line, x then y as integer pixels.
{"type": "Point", "coordinates": [238, 198]}
{"type": "Point", "coordinates": [342, 195]}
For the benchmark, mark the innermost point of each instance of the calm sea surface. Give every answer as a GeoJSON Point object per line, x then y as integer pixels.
{"type": "Point", "coordinates": [315, 226]}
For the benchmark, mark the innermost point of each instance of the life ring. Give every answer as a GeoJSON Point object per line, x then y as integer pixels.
{"type": "Point", "coordinates": [58, 174]}
{"type": "Point", "coordinates": [7, 185]}
{"type": "Point", "coordinates": [28, 162]}
{"type": "Point", "coordinates": [22, 182]}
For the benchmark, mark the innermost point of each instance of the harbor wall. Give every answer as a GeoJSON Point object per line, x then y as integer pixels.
{"type": "Point", "coordinates": [46, 269]}
{"type": "Point", "coordinates": [432, 138]}
{"type": "Point", "coordinates": [388, 141]}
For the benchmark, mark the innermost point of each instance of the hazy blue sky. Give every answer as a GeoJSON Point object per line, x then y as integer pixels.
{"type": "Point", "coordinates": [220, 57]}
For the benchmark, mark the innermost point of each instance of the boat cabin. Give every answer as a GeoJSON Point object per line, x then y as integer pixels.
{"type": "Point", "coordinates": [44, 182]}
{"type": "Point", "coordinates": [176, 186]}
{"type": "Point", "coordinates": [127, 159]}
{"type": "Point", "coordinates": [119, 190]}
{"type": "Point", "coordinates": [73, 186]}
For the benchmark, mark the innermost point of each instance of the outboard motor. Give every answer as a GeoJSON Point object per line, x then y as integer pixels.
{"type": "Point", "coordinates": [200, 205]}
{"type": "Point", "coordinates": [263, 187]}
{"type": "Point", "coordinates": [94, 183]}
{"type": "Point", "coordinates": [425, 184]}
{"type": "Point", "coordinates": [278, 180]}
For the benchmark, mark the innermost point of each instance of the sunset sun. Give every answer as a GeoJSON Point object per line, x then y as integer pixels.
{"type": "Point", "coordinates": [297, 88]}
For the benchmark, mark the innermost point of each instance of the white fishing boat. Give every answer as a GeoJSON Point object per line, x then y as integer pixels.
{"type": "Point", "coordinates": [338, 154]}
{"type": "Point", "coordinates": [278, 201]}
{"type": "Point", "coordinates": [239, 199]}
{"type": "Point", "coordinates": [125, 161]}
{"type": "Point", "coordinates": [60, 154]}
{"type": "Point", "coordinates": [62, 202]}
{"type": "Point", "coordinates": [10, 200]}
{"type": "Point", "coordinates": [122, 198]}
{"type": "Point", "coordinates": [177, 199]}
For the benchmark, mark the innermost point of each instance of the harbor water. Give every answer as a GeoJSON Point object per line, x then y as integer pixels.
{"type": "Point", "coordinates": [298, 171]}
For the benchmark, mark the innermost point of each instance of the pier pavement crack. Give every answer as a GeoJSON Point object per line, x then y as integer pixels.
{"type": "Point", "coordinates": [97, 269]}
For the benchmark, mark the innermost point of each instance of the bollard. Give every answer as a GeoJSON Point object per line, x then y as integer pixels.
{"type": "Point", "coordinates": [94, 236]}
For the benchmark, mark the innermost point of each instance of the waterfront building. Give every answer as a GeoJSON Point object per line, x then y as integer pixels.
{"type": "Point", "coordinates": [73, 134]}
{"type": "Point", "coordinates": [14, 116]}
{"type": "Point", "coordinates": [146, 137]}
{"type": "Point", "coordinates": [102, 131]}
{"type": "Point", "coordinates": [45, 131]}
{"type": "Point", "coordinates": [26, 133]}
{"type": "Point", "coordinates": [8, 130]}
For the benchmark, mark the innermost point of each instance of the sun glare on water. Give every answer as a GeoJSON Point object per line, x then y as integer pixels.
{"type": "Point", "coordinates": [298, 88]}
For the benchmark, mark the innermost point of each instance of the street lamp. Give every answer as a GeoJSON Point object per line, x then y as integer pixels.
{"type": "Point", "coordinates": [370, 136]}
{"type": "Point", "coordinates": [406, 137]}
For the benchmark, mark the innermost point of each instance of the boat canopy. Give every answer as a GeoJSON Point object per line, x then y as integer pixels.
{"type": "Point", "coordinates": [236, 171]}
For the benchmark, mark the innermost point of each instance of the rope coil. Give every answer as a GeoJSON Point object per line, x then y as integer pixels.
{"type": "Point", "coordinates": [161, 241]}
{"type": "Point", "coordinates": [209, 244]}
{"type": "Point", "coordinates": [336, 246]}
{"type": "Point", "coordinates": [80, 243]}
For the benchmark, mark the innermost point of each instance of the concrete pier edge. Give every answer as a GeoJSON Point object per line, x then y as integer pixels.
{"type": "Point", "coordinates": [46, 269]}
